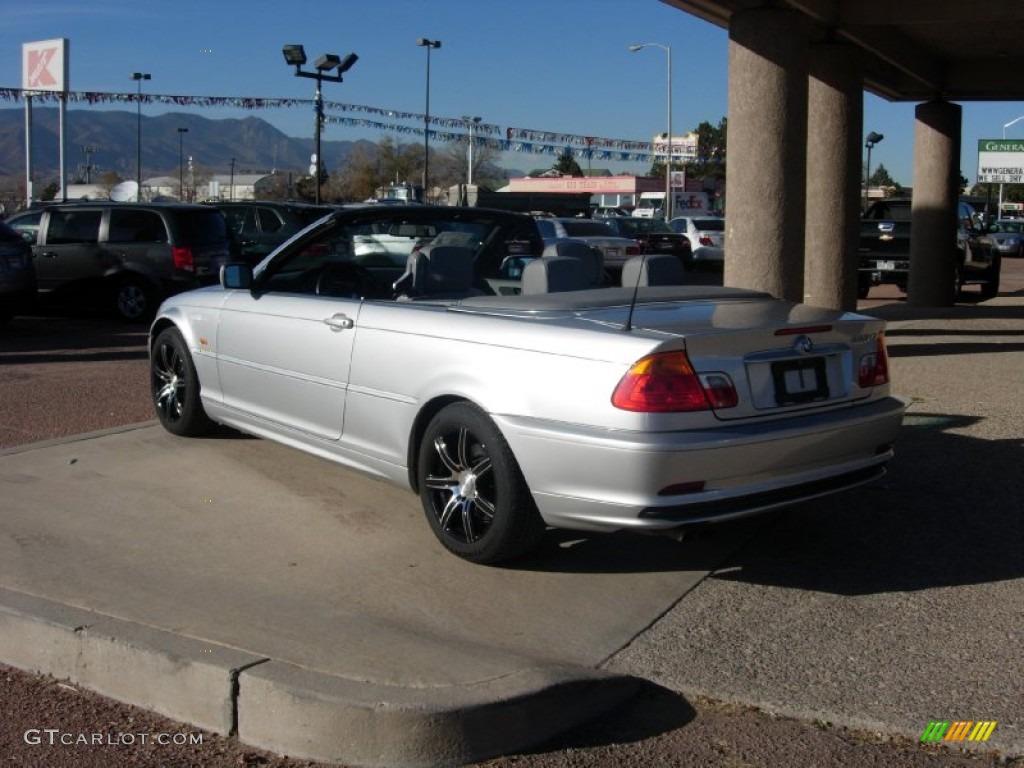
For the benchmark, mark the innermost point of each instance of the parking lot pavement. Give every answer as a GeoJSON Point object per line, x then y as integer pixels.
{"type": "Point", "coordinates": [898, 605]}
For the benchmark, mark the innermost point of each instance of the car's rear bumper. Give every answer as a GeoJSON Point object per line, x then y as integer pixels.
{"type": "Point", "coordinates": [602, 480]}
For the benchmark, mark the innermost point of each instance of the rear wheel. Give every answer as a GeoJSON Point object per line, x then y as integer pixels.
{"type": "Point", "coordinates": [473, 492]}
{"type": "Point", "coordinates": [175, 386]}
{"type": "Point", "coordinates": [134, 299]}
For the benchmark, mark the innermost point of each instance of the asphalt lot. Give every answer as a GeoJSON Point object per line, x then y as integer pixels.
{"type": "Point", "coordinates": [885, 610]}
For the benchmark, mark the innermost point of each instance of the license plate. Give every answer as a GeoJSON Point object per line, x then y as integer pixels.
{"type": "Point", "coordinates": [800, 381]}
{"type": "Point", "coordinates": [888, 266]}
{"type": "Point", "coordinates": [613, 251]}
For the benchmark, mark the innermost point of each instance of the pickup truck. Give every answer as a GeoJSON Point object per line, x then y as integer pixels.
{"type": "Point", "coordinates": [885, 249]}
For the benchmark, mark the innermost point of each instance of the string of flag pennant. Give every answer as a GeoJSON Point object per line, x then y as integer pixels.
{"type": "Point", "coordinates": [442, 129]}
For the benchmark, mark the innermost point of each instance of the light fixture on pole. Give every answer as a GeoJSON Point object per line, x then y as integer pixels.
{"type": "Point", "coordinates": [667, 207]}
{"type": "Point", "coordinates": [999, 213]}
{"type": "Point", "coordinates": [181, 163]}
{"type": "Point", "coordinates": [428, 44]}
{"type": "Point", "coordinates": [471, 122]}
{"type": "Point", "coordinates": [138, 77]}
{"type": "Point", "coordinates": [295, 55]}
{"type": "Point", "coordinates": [869, 141]}
{"type": "Point", "coordinates": [89, 151]}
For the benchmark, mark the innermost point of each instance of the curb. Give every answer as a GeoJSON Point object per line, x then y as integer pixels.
{"type": "Point", "coordinates": [296, 711]}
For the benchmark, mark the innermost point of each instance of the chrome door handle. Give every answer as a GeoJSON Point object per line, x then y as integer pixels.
{"type": "Point", "coordinates": [338, 322]}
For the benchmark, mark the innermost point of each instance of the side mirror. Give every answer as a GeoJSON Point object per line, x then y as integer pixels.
{"type": "Point", "coordinates": [236, 276]}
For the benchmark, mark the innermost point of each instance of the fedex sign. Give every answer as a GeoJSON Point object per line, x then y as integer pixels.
{"type": "Point", "coordinates": [44, 65]}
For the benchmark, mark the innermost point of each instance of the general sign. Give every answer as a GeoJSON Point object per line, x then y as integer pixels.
{"type": "Point", "coordinates": [1000, 161]}
{"type": "Point", "coordinates": [44, 65]}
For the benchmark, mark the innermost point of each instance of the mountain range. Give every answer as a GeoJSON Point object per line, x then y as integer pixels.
{"type": "Point", "coordinates": [252, 143]}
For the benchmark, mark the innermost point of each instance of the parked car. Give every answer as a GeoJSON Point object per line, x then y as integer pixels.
{"type": "Point", "coordinates": [605, 211]}
{"type": "Point", "coordinates": [259, 226]}
{"type": "Point", "coordinates": [707, 237]}
{"type": "Point", "coordinates": [1008, 235]}
{"type": "Point", "coordinates": [124, 257]}
{"type": "Point", "coordinates": [654, 236]}
{"type": "Point", "coordinates": [596, 233]}
{"type": "Point", "coordinates": [884, 248]}
{"type": "Point", "coordinates": [513, 402]}
{"type": "Point", "coordinates": [17, 273]}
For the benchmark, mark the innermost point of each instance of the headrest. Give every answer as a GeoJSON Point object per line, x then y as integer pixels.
{"type": "Point", "coordinates": [653, 269]}
{"type": "Point", "coordinates": [554, 275]}
{"type": "Point", "coordinates": [593, 260]}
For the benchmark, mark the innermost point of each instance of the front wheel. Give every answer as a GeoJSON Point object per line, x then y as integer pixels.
{"type": "Point", "coordinates": [990, 288]}
{"type": "Point", "coordinates": [175, 386]}
{"type": "Point", "coordinates": [473, 492]}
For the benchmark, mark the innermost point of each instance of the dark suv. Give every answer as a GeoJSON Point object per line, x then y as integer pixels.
{"type": "Point", "coordinates": [17, 275]}
{"type": "Point", "coordinates": [125, 257]}
{"type": "Point", "coordinates": [259, 226]}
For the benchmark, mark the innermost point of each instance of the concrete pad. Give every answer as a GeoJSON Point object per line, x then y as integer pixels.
{"type": "Point", "coordinates": [244, 544]}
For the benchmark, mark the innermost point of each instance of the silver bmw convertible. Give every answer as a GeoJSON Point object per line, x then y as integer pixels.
{"type": "Point", "coordinates": [515, 387]}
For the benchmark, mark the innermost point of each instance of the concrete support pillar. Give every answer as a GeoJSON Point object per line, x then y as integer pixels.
{"type": "Point", "coordinates": [933, 249]}
{"type": "Point", "coordinates": [835, 115]}
{"type": "Point", "coordinates": [765, 188]}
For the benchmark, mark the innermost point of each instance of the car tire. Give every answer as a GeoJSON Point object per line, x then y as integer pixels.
{"type": "Point", "coordinates": [174, 386]}
{"type": "Point", "coordinates": [990, 288]}
{"type": "Point", "coordinates": [473, 492]}
{"type": "Point", "coordinates": [863, 288]}
{"type": "Point", "coordinates": [134, 300]}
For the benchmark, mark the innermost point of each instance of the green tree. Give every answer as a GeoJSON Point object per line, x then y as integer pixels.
{"type": "Point", "coordinates": [709, 162]}
{"type": "Point", "coordinates": [882, 180]}
{"type": "Point", "coordinates": [567, 165]}
{"type": "Point", "coordinates": [50, 191]}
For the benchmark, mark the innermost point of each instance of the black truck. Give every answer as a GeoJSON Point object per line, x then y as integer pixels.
{"type": "Point", "coordinates": [884, 249]}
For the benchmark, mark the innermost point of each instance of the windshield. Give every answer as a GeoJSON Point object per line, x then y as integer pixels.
{"type": "Point", "coordinates": [710, 225]}
{"type": "Point", "coordinates": [1014, 227]}
{"type": "Point", "coordinates": [585, 228]}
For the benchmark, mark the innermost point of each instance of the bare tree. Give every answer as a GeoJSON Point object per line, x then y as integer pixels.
{"type": "Point", "coordinates": [451, 165]}
{"type": "Point", "coordinates": [369, 168]}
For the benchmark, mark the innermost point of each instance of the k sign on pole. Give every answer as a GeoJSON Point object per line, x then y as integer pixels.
{"type": "Point", "coordinates": [45, 68]}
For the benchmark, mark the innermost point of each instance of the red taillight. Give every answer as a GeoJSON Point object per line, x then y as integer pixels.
{"type": "Point", "coordinates": [666, 382]}
{"type": "Point", "coordinates": [705, 240]}
{"type": "Point", "coordinates": [634, 250]}
{"type": "Point", "coordinates": [183, 259]}
{"type": "Point", "coordinates": [874, 367]}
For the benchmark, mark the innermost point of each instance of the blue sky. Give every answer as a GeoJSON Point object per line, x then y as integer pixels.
{"type": "Point", "coordinates": [560, 66]}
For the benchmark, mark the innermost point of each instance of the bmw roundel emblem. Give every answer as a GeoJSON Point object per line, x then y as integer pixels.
{"type": "Point", "coordinates": [803, 345]}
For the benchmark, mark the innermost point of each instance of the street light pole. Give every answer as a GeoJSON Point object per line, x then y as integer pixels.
{"type": "Point", "coordinates": [472, 122]}
{"type": "Point", "coordinates": [295, 55]}
{"type": "Point", "coordinates": [999, 212]}
{"type": "Point", "coordinates": [667, 207]}
{"type": "Point", "coordinates": [428, 44]}
{"type": "Point", "coordinates": [869, 141]}
{"type": "Point", "coordinates": [181, 163]}
{"type": "Point", "coordinates": [138, 77]}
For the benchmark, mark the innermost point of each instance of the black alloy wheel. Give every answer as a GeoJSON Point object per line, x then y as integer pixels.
{"type": "Point", "coordinates": [175, 386]}
{"type": "Point", "coordinates": [473, 492]}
